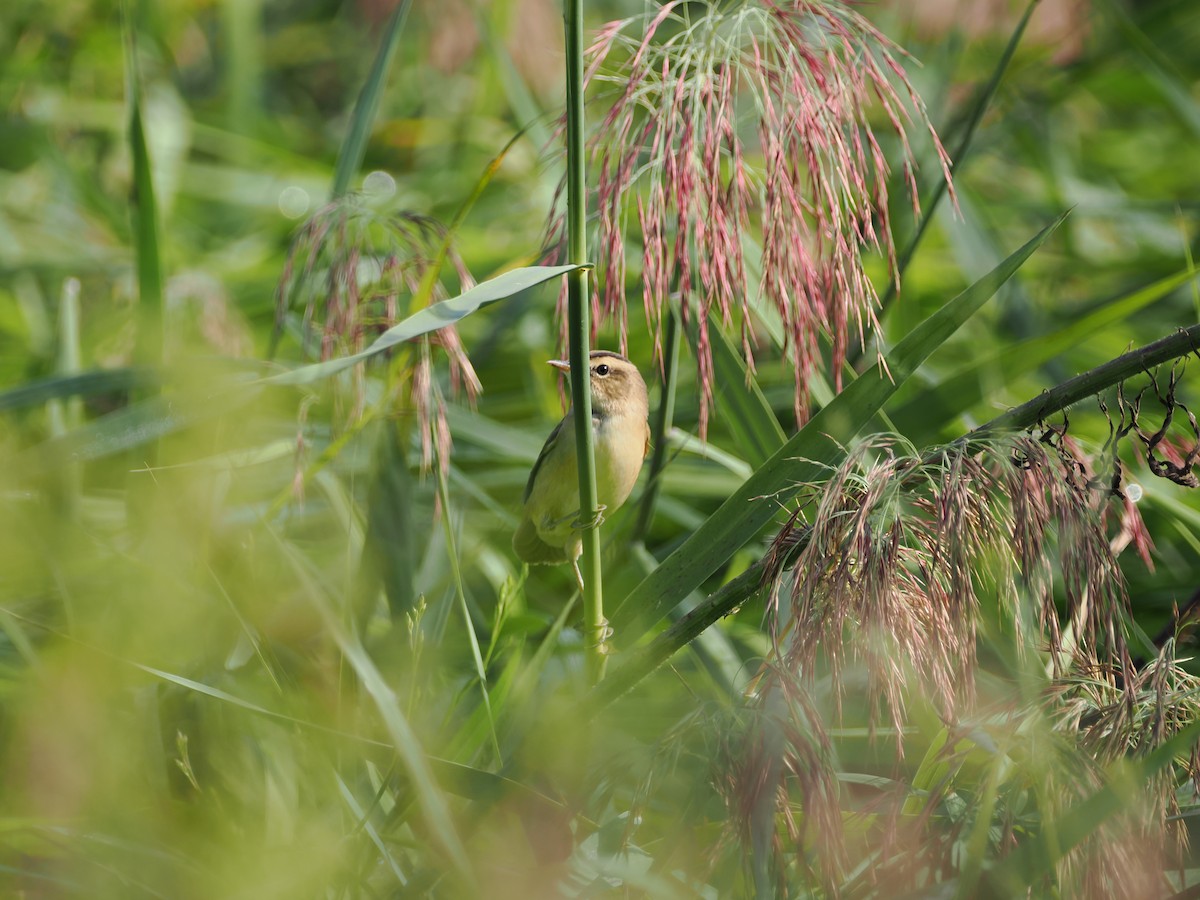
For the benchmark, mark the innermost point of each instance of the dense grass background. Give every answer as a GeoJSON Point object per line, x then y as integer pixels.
{"type": "Point", "coordinates": [237, 620]}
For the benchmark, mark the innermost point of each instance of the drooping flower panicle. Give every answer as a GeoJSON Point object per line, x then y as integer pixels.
{"type": "Point", "coordinates": [355, 273]}
{"type": "Point", "coordinates": [740, 145]}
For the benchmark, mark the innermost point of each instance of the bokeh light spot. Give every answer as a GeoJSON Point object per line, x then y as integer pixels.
{"type": "Point", "coordinates": [293, 201]}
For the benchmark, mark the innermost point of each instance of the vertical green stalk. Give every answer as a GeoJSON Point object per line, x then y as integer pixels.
{"type": "Point", "coordinates": [242, 24]}
{"type": "Point", "coordinates": [579, 328]}
{"type": "Point", "coordinates": [150, 343]}
{"type": "Point", "coordinates": [664, 418]}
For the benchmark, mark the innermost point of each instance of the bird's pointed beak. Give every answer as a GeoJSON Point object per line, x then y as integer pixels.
{"type": "Point", "coordinates": [560, 364]}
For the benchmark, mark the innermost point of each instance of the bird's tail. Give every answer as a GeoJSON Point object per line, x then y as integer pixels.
{"type": "Point", "coordinates": [532, 549]}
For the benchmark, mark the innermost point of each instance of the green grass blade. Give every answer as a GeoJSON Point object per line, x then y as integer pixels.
{"type": "Point", "coordinates": [920, 417]}
{"type": "Point", "coordinates": [803, 458]}
{"type": "Point", "coordinates": [82, 384]}
{"type": "Point", "coordinates": [363, 818]}
{"type": "Point", "coordinates": [959, 154]}
{"type": "Point", "coordinates": [431, 318]}
{"type": "Point", "coordinates": [468, 782]}
{"type": "Point", "coordinates": [354, 147]}
{"type": "Point", "coordinates": [390, 551]}
{"type": "Point", "coordinates": [135, 425]}
{"type": "Point", "coordinates": [149, 349]}
{"type": "Point", "coordinates": [412, 755]}
{"type": "Point", "coordinates": [460, 592]}
{"type": "Point", "coordinates": [664, 417]}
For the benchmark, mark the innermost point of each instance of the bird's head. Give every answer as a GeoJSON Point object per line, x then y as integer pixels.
{"type": "Point", "coordinates": [617, 385]}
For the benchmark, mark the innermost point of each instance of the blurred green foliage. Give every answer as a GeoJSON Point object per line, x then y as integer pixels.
{"type": "Point", "coordinates": [210, 687]}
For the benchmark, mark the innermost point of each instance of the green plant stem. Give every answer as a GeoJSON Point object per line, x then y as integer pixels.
{"type": "Point", "coordinates": [65, 415]}
{"type": "Point", "coordinates": [579, 329]}
{"type": "Point", "coordinates": [731, 595]}
{"type": "Point", "coordinates": [663, 420]}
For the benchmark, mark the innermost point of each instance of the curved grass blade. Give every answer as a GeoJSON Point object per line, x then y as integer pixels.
{"type": "Point", "coordinates": [431, 318]}
{"type": "Point", "coordinates": [803, 458]}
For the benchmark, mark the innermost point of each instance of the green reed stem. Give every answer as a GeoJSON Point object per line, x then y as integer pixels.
{"type": "Point", "coordinates": [579, 330]}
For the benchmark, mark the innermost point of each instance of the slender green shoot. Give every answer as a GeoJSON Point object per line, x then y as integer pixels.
{"type": "Point", "coordinates": [456, 572]}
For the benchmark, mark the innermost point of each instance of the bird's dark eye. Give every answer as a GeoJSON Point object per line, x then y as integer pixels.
{"type": "Point", "coordinates": [602, 369]}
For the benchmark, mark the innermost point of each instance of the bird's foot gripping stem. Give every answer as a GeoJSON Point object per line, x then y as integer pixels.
{"type": "Point", "coordinates": [595, 522]}
{"type": "Point", "coordinates": [600, 637]}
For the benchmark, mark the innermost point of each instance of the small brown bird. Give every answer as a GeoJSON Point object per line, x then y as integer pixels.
{"type": "Point", "coordinates": [550, 529]}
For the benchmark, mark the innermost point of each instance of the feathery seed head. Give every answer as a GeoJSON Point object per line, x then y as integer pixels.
{"type": "Point", "coordinates": [750, 121]}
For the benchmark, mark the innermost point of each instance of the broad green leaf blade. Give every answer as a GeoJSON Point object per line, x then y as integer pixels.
{"type": "Point", "coordinates": [803, 458]}
{"type": "Point", "coordinates": [354, 147]}
{"type": "Point", "coordinates": [431, 318]}
{"type": "Point", "coordinates": [921, 417]}
{"type": "Point", "coordinates": [740, 401]}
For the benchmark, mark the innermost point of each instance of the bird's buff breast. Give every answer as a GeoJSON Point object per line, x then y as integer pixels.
{"type": "Point", "coordinates": [556, 495]}
{"type": "Point", "coordinates": [616, 473]}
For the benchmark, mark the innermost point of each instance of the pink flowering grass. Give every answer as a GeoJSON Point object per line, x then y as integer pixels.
{"type": "Point", "coordinates": [353, 273]}
{"type": "Point", "coordinates": [741, 130]}
{"type": "Point", "coordinates": [911, 563]}
{"type": "Point", "coordinates": [902, 547]}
